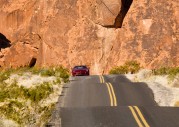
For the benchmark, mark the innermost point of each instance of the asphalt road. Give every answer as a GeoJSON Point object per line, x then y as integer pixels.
{"type": "Point", "coordinates": [112, 101]}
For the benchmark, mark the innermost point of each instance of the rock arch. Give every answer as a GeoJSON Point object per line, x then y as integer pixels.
{"type": "Point", "coordinates": [125, 5]}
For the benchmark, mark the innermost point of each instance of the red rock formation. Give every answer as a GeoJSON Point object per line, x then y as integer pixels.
{"type": "Point", "coordinates": [56, 32]}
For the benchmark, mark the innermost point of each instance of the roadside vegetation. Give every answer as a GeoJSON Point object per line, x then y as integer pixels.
{"type": "Point", "coordinates": [134, 67]}
{"type": "Point", "coordinates": [163, 81]}
{"type": "Point", "coordinates": [32, 105]}
{"type": "Point", "coordinates": [172, 72]}
{"type": "Point", "coordinates": [128, 67]}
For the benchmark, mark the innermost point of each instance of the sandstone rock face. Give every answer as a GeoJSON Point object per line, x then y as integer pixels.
{"type": "Point", "coordinates": [73, 32]}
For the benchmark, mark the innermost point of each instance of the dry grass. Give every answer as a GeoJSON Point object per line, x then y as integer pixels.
{"type": "Point", "coordinates": [177, 104]}
{"type": "Point", "coordinates": [28, 95]}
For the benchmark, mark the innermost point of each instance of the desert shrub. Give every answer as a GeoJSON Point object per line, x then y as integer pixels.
{"type": "Point", "coordinates": [5, 74]}
{"type": "Point", "coordinates": [47, 72]}
{"type": "Point", "coordinates": [21, 69]}
{"type": "Point", "coordinates": [35, 70]}
{"type": "Point", "coordinates": [10, 111]}
{"type": "Point", "coordinates": [46, 112]}
{"type": "Point", "coordinates": [13, 110]}
{"type": "Point", "coordinates": [170, 71]}
{"type": "Point", "coordinates": [64, 74]}
{"type": "Point", "coordinates": [16, 97]}
{"type": "Point", "coordinates": [59, 72]}
{"type": "Point", "coordinates": [173, 71]}
{"type": "Point", "coordinates": [130, 66]}
{"type": "Point", "coordinates": [161, 71]}
{"type": "Point", "coordinates": [34, 94]}
{"type": "Point", "coordinates": [166, 71]}
{"type": "Point", "coordinates": [3, 95]}
{"type": "Point", "coordinates": [39, 92]}
{"type": "Point", "coordinates": [58, 80]}
{"type": "Point", "coordinates": [10, 92]}
{"type": "Point", "coordinates": [119, 70]}
{"type": "Point", "coordinates": [133, 66]}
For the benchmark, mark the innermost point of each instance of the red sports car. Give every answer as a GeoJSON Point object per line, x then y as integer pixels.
{"type": "Point", "coordinates": [80, 71]}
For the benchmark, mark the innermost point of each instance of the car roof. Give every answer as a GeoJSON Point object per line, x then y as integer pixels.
{"type": "Point", "coordinates": [80, 66]}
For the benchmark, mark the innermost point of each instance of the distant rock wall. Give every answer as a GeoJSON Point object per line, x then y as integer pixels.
{"type": "Point", "coordinates": [72, 32]}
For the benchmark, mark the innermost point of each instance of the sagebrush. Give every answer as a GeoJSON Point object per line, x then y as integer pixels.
{"type": "Point", "coordinates": [128, 67]}
{"type": "Point", "coordinates": [23, 105]}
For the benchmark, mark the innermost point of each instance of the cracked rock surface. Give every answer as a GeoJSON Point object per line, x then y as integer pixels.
{"type": "Point", "coordinates": [72, 32]}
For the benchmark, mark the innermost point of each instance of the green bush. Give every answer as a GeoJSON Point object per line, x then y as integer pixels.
{"type": "Point", "coordinates": [161, 71]}
{"type": "Point", "coordinates": [46, 111]}
{"type": "Point", "coordinates": [5, 74]}
{"type": "Point", "coordinates": [47, 72]}
{"type": "Point", "coordinates": [133, 66]}
{"type": "Point", "coordinates": [130, 66]}
{"type": "Point", "coordinates": [63, 73]}
{"type": "Point", "coordinates": [119, 70]}
{"type": "Point", "coordinates": [10, 92]}
{"type": "Point", "coordinates": [15, 97]}
{"type": "Point", "coordinates": [170, 71]}
{"type": "Point", "coordinates": [9, 110]}
{"type": "Point", "coordinates": [173, 71]}
{"type": "Point", "coordinates": [39, 92]}
{"type": "Point", "coordinates": [58, 80]}
{"type": "Point", "coordinates": [59, 72]}
{"type": "Point", "coordinates": [34, 94]}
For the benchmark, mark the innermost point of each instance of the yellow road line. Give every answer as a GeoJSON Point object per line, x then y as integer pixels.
{"type": "Point", "coordinates": [135, 116]}
{"type": "Point", "coordinates": [110, 88]}
{"type": "Point", "coordinates": [142, 117]}
{"type": "Point", "coordinates": [113, 93]}
{"type": "Point", "coordinates": [100, 79]}
{"type": "Point", "coordinates": [110, 95]}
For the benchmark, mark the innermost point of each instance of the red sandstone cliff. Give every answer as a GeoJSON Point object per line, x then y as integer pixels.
{"type": "Point", "coordinates": [71, 32]}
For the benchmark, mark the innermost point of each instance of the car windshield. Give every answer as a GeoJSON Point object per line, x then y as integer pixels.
{"type": "Point", "coordinates": [80, 67]}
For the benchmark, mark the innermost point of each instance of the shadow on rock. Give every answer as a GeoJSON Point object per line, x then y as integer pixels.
{"type": "Point", "coordinates": [4, 42]}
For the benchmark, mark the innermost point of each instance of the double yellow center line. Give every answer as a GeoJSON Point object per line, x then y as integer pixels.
{"type": "Point", "coordinates": [111, 94]}
{"type": "Point", "coordinates": [139, 118]}
{"type": "Point", "coordinates": [101, 79]}
{"type": "Point", "coordinates": [113, 100]}
{"type": "Point", "coordinates": [137, 114]}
